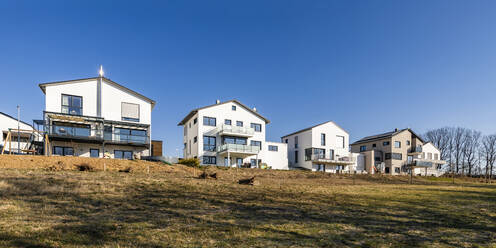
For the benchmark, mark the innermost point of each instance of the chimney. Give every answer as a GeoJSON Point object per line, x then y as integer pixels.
{"type": "Point", "coordinates": [217, 101]}
{"type": "Point", "coordinates": [254, 109]}
{"type": "Point", "coordinates": [396, 129]}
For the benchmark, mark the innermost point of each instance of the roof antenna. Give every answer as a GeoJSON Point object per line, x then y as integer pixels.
{"type": "Point", "coordinates": [101, 71]}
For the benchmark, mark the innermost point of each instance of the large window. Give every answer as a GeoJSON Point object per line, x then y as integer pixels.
{"type": "Point", "coordinates": [395, 156]}
{"type": "Point", "coordinates": [64, 129]}
{"type": "Point", "coordinates": [239, 123]}
{"type": "Point", "coordinates": [63, 151]}
{"type": "Point", "coordinates": [119, 154]}
{"type": "Point", "coordinates": [296, 157]}
{"type": "Point", "coordinates": [317, 152]}
{"type": "Point", "coordinates": [234, 140]}
{"type": "Point", "coordinates": [257, 127]}
{"type": "Point", "coordinates": [72, 105]}
{"type": "Point", "coordinates": [209, 143]}
{"type": "Point", "coordinates": [130, 112]}
{"type": "Point", "coordinates": [94, 153]}
{"type": "Point", "coordinates": [227, 122]}
{"type": "Point", "coordinates": [273, 148]}
{"type": "Point", "coordinates": [363, 148]}
{"type": "Point", "coordinates": [209, 121]}
{"type": "Point", "coordinates": [436, 156]}
{"type": "Point", "coordinates": [339, 141]}
{"type": "Point", "coordinates": [256, 143]}
{"type": "Point", "coordinates": [322, 139]}
{"type": "Point", "coordinates": [209, 160]}
{"type": "Point", "coordinates": [397, 144]}
{"type": "Point", "coordinates": [296, 141]}
{"type": "Point", "coordinates": [130, 135]}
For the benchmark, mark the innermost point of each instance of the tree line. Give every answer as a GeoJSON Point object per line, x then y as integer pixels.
{"type": "Point", "coordinates": [466, 151]}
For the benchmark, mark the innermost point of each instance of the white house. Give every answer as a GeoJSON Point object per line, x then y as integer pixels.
{"type": "Point", "coordinates": [231, 134]}
{"type": "Point", "coordinates": [323, 147]}
{"type": "Point", "coordinates": [96, 117]}
{"type": "Point", "coordinates": [427, 163]}
{"type": "Point", "coordinates": [23, 136]}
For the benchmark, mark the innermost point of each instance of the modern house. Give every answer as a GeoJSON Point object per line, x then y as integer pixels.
{"type": "Point", "coordinates": [396, 152]}
{"type": "Point", "coordinates": [230, 134]}
{"type": "Point", "coordinates": [18, 141]}
{"type": "Point", "coordinates": [96, 117]}
{"type": "Point", "coordinates": [323, 147]}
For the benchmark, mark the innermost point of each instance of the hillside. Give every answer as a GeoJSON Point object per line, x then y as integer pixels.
{"type": "Point", "coordinates": [47, 202]}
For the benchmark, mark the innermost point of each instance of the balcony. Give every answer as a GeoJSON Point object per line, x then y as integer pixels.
{"type": "Point", "coordinates": [335, 160]}
{"type": "Point", "coordinates": [229, 130]}
{"type": "Point", "coordinates": [126, 139]}
{"type": "Point", "coordinates": [239, 149]}
{"type": "Point", "coordinates": [415, 150]}
{"type": "Point", "coordinates": [418, 162]}
{"type": "Point", "coordinates": [62, 132]}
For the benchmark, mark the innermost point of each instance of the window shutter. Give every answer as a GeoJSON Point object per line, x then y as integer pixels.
{"type": "Point", "coordinates": [130, 110]}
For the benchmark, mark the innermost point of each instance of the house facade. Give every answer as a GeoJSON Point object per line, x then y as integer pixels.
{"type": "Point", "coordinates": [323, 147]}
{"type": "Point", "coordinates": [96, 117]}
{"type": "Point", "coordinates": [19, 141]}
{"type": "Point", "coordinates": [396, 152]}
{"type": "Point", "coordinates": [230, 134]}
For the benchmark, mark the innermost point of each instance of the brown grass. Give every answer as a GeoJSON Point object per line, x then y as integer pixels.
{"type": "Point", "coordinates": [172, 207]}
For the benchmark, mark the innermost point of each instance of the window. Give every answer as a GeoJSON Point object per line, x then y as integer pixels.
{"type": "Point", "coordinates": [234, 140]}
{"type": "Point", "coordinates": [256, 143]}
{"type": "Point", "coordinates": [374, 145]}
{"type": "Point", "coordinates": [129, 135]}
{"type": "Point", "coordinates": [363, 148]}
{"type": "Point", "coordinates": [253, 162]}
{"type": "Point", "coordinates": [185, 130]}
{"type": "Point", "coordinates": [407, 142]}
{"type": "Point", "coordinates": [322, 139]}
{"type": "Point", "coordinates": [286, 141]}
{"type": "Point", "coordinates": [119, 154]}
{"type": "Point", "coordinates": [308, 154]}
{"type": "Point", "coordinates": [296, 141]}
{"type": "Point", "coordinates": [387, 156]}
{"type": "Point", "coordinates": [209, 121]}
{"type": "Point", "coordinates": [130, 112]}
{"type": "Point", "coordinates": [94, 153]}
{"type": "Point", "coordinates": [227, 122]}
{"type": "Point", "coordinates": [209, 160]}
{"type": "Point", "coordinates": [339, 141]}
{"type": "Point", "coordinates": [190, 125]}
{"type": "Point", "coordinates": [209, 143]}
{"type": "Point", "coordinates": [436, 156]}
{"type": "Point", "coordinates": [63, 151]}
{"type": "Point", "coordinates": [257, 127]}
{"type": "Point", "coordinates": [396, 169]}
{"type": "Point", "coordinates": [72, 105]}
{"type": "Point", "coordinates": [195, 139]}
{"type": "Point", "coordinates": [397, 144]}
{"type": "Point", "coordinates": [195, 120]}
{"type": "Point", "coordinates": [239, 123]}
{"type": "Point", "coordinates": [273, 148]}
{"type": "Point", "coordinates": [385, 143]}
{"type": "Point", "coordinates": [233, 108]}
{"type": "Point", "coordinates": [296, 157]}
{"type": "Point", "coordinates": [429, 155]}
{"type": "Point", "coordinates": [397, 156]}
{"type": "Point", "coordinates": [68, 129]}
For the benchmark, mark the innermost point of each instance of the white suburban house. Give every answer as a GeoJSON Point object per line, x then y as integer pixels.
{"type": "Point", "coordinates": [96, 117]}
{"type": "Point", "coordinates": [231, 134]}
{"type": "Point", "coordinates": [323, 147]}
{"type": "Point", "coordinates": [427, 162]}
{"type": "Point", "coordinates": [17, 139]}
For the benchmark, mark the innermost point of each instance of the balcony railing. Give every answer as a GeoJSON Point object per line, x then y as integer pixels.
{"type": "Point", "coordinates": [87, 133]}
{"type": "Point", "coordinates": [238, 148]}
{"type": "Point", "coordinates": [417, 149]}
{"type": "Point", "coordinates": [244, 131]}
{"type": "Point", "coordinates": [126, 138]}
{"type": "Point", "coordinates": [421, 163]}
{"type": "Point", "coordinates": [333, 159]}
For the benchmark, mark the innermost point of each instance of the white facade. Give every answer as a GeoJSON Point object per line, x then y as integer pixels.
{"type": "Point", "coordinates": [430, 154]}
{"type": "Point", "coordinates": [8, 122]}
{"type": "Point", "coordinates": [324, 147]}
{"type": "Point", "coordinates": [230, 130]}
{"type": "Point", "coordinates": [97, 117]}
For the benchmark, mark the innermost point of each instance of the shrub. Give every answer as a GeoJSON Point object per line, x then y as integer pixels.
{"type": "Point", "coordinates": [84, 167]}
{"type": "Point", "coordinates": [194, 162]}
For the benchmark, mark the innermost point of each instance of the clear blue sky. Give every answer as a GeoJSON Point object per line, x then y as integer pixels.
{"type": "Point", "coordinates": [370, 66]}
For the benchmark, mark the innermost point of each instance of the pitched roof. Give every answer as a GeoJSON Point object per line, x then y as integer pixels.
{"type": "Point", "coordinates": [9, 116]}
{"type": "Point", "coordinates": [308, 128]}
{"type": "Point", "coordinates": [194, 111]}
{"type": "Point", "coordinates": [43, 87]}
{"type": "Point", "coordinates": [384, 136]}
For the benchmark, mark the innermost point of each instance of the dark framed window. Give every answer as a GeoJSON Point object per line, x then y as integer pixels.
{"type": "Point", "coordinates": [239, 123]}
{"type": "Point", "coordinates": [209, 121]}
{"type": "Point", "coordinates": [209, 143]}
{"type": "Point", "coordinates": [72, 105]}
{"type": "Point", "coordinates": [296, 141]}
{"type": "Point", "coordinates": [257, 127]}
{"type": "Point", "coordinates": [234, 140]}
{"type": "Point", "coordinates": [374, 145]}
{"type": "Point", "coordinates": [120, 154]}
{"type": "Point", "coordinates": [209, 160]}
{"type": "Point", "coordinates": [397, 169]}
{"type": "Point", "coordinates": [227, 122]}
{"type": "Point", "coordinates": [129, 135]}
{"type": "Point", "coordinates": [322, 139]}
{"type": "Point", "coordinates": [397, 144]}
{"type": "Point", "coordinates": [63, 151]}
{"type": "Point", "coordinates": [387, 156]}
{"type": "Point", "coordinates": [308, 154]}
{"type": "Point", "coordinates": [94, 153]}
{"type": "Point", "coordinates": [407, 142]}
{"type": "Point", "coordinates": [385, 143]}
{"type": "Point", "coordinates": [233, 107]}
{"type": "Point", "coordinates": [253, 162]}
{"type": "Point", "coordinates": [286, 141]}
{"type": "Point", "coordinates": [195, 139]}
{"type": "Point", "coordinates": [273, 148]}
{"type": "Point", "coordinates": [256, 143]}
{"type": "Point", "coordinates": [296, 157]}
{"type": "Point", "coordinates": [195, 120]}
{"type": "Point", "coordinates": [340, 141]}
{"type": "Point", "coordinates": [395, 156]}
{"type": "Point", "coordinates": [363, 148]}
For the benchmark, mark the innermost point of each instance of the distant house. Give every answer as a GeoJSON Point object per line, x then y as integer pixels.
{"type": "Point", "coordinates": [230, 134]}
{"type": "Point", "coordinates": [8, 122]}
{"type": "Point", "coordinates": [96, 117]}
{"type": "Point", "coordinates": [323, 147]}
{"type": "Point", "coordinates": [396, 152]}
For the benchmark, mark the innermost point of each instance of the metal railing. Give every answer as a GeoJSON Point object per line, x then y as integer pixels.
{"type": "Point", "coordinates": [126, 138]}
{"type": "Point", "coordinates": [238, 148]}
{"type": "Point", "coordinates": [332, 158]}
{"type": "Point", "coordinates": [236, 130]}
{"type": "Point", "coordinates": [76, 132]}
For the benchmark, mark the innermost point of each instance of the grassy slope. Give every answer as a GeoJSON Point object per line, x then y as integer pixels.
{"type": "Point", "coordinates": [298, 209]}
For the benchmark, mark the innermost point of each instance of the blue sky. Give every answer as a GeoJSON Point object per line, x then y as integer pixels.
{"type": "Point", "coordinates": [370, 66]}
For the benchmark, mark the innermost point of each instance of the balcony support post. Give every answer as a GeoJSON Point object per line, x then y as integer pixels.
{"type": "Point", "coordinates": [256, 159]}
{"type": "Point", "coordinates": [228, 158]}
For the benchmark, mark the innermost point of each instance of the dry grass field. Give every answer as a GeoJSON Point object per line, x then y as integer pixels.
{"type": "Point", "coordinates": [46, 202]}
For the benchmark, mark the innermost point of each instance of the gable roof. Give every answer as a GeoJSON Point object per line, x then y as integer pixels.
{"type": "Point", "coordinates": [11, 117]}
{"type": "Point", "coordinates": [308, 128]}
{"type": "Point", "coordinates": [44, 85]}
{"type": "Point", "coordinates": [386, 135]}
{"type": "Point", "coordinates": [194, 111]}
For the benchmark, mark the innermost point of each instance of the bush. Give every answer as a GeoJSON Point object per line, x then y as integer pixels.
{"type": "Point", "coordinates": [194, 162]}
{"type": "Point", "coordinates": [84, 167]}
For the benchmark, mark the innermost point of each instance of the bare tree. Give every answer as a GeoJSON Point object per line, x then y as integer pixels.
{"type": "Point", "coordinates": [457, 146]}
{"type": "Point", "coordinates": [470, 149]}
{"type": "Point", "coordinates": [441, 139]}
{"type": "Point", "coordinates": [489, 154]}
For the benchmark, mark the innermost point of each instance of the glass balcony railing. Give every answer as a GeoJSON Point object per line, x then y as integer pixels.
{"type": "Point", "coordinates": [417, 149]}
{"type": "Point", "coordinates": [69, 131]}
{"type": "Point", "coordinates": [228, 129]}
{"type": "Point", "coordinates": [126, 138]}
{"type": "Point", "coordinates": [337, 159]}
{"type": "Point", "coordinates": [238, 148]}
